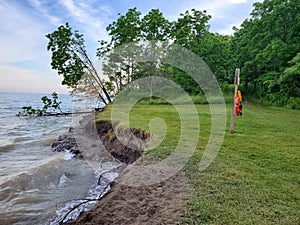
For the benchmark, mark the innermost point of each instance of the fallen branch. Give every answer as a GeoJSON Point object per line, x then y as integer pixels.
{"type": "Point", "coordinates": [56, 114]}
{"type": "Point", "coordinates": [65, 113]}
{"type": "Point", "coordinates": [50, 104]}
{"type": "Point", "coordinates": [88, 200]}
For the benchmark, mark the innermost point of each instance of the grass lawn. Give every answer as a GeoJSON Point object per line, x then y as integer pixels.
{"type": "Point", "coordinates": [255, 178]}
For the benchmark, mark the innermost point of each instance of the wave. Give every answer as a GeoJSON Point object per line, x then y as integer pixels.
{"type": "Point", "coordinates": [25, 142]}
{"type": "Point", "coordinates": [17, 179]}
{"type": "Point", "coordinates": [47, 142]}
{"type": "Point", "coordinates": [22, 138]}
{"type": "Point", "coordinates": [46, 189]}
{"type": "Point", "coordinates": [6, 148]}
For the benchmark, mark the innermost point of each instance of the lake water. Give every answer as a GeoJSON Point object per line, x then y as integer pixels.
{"type": "Point", "coordinates": [37, 185]}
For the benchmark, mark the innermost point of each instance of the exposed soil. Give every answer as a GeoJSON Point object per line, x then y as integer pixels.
{"type": "Point", "coordinates": [161, 203]}
{"type": "Point", "coordinates": [132, 145]}
{"type": "Point", "coordinates": [158, 203]}
{"type": "Point", "coordinates": [81, 141]}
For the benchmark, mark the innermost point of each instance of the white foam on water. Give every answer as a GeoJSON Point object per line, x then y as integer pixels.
{"type": "Point", "coordinates": [68, 155]}
{"type": "Point", "coordinates": [63, 181]}
{"type": "Point", "coordinates": [73, 208]}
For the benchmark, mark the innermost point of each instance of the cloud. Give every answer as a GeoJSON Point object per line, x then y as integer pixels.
{"type": "Point", "coordinates": [22, 38]}
{"type": "Point", "coordinates": [93, 18]}
{"type": "Point", "coordinates": [14, 79]}
{"type": "Point", "coordinates": [77, 12]}
{"type": "Point", "coordinates": [24, 59]}
{"type": "Point", "coordinates": [225, 13]}
{"type": "Point", "coordinates": [228, 29]}
{"type": "Point", "coordinates": [42, 10]}
{"type": "Point", "coordinates": [218, 9]}
{"type": "Point", "coordinates": [237, 1]}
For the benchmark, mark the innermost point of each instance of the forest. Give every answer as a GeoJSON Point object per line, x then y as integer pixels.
{"type": "Point", "coordinates": [266, 48]}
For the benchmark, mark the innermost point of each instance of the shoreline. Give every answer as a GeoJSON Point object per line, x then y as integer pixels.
{"type": "Point", "coordinates": [81, 142]}
{"type": "Point", "coordinates": [159, 203]}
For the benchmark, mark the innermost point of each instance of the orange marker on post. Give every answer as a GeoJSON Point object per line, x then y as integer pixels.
{"type": "Point", "coordinates": [237, 98]}
{"type": "Point", "coordinates": [238, 104]}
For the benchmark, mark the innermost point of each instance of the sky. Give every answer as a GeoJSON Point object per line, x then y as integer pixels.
{"type": "Point", "coordinates": [25, 61]}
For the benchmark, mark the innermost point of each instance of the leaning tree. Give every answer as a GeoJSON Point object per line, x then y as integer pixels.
{"type": "Point", "coordinates": [71, 60]}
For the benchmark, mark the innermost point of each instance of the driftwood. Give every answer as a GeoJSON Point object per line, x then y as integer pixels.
{"type": "Point", "coordinates": [38, 114]}
{"type": "Point", "coordinates": [65, 113]}
{"type": "Point", "coordinates": [71, 113]}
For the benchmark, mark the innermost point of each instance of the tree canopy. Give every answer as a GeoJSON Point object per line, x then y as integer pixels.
{"type": "Point", "coordinates": [266, 48]}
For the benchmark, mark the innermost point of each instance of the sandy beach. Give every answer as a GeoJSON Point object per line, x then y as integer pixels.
{"type": "Point", "coordinates": [161, 203]}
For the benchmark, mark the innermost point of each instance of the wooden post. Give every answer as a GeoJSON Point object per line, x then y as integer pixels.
{"type": "Point", "coordinates": [236, 84]}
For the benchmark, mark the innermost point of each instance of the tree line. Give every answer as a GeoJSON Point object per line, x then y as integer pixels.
{"type": "Point", "coordinates": [266, 48]}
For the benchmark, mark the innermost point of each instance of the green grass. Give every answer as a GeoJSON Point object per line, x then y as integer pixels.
{"type": "Point", "coordinates": [255, 178]}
